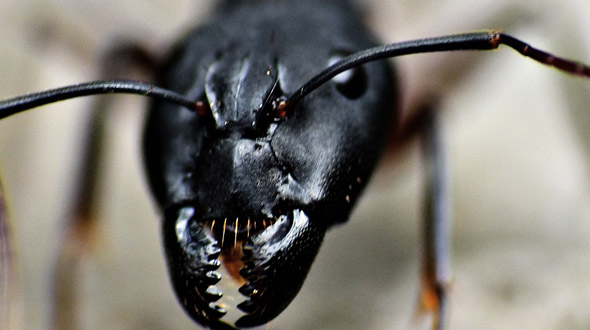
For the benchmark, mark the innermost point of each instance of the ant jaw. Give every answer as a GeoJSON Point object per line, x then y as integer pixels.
{"type": "Point", "coordinates": [266, 264]}
{"type": "Point", "coordinates": [277, 261]}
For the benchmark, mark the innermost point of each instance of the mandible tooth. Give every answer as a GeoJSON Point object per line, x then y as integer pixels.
{"type": "Point", "coordinates": [248, 289]}
{"type": "Point", "coordinates": [213, 294]}
{"type": "Point", "coordinates": [216, 311]}
{"type": "Point", "coordinates": [248, 306]}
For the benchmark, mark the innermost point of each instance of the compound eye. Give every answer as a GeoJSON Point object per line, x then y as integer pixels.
{"type": "Point", "coordinates": [352, 83]}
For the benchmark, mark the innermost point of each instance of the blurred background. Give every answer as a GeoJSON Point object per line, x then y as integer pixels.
{"type": "Point", "coordinates": [518, 137]}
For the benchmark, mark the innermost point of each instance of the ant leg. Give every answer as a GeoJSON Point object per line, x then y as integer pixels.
{"type": "Point", "coordinates": [7, 279]}
{"type": "Point", "coordinates": [81, 226]}
{"type": "Point", "coordinates": [435, 272]}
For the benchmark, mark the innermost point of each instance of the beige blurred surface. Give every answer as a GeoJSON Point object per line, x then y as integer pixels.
{"type": "Point", "coordinates": [518, 142]}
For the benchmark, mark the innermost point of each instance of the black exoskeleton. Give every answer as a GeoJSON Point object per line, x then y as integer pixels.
{"type": "Point", "coordinates": [248, 190]}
